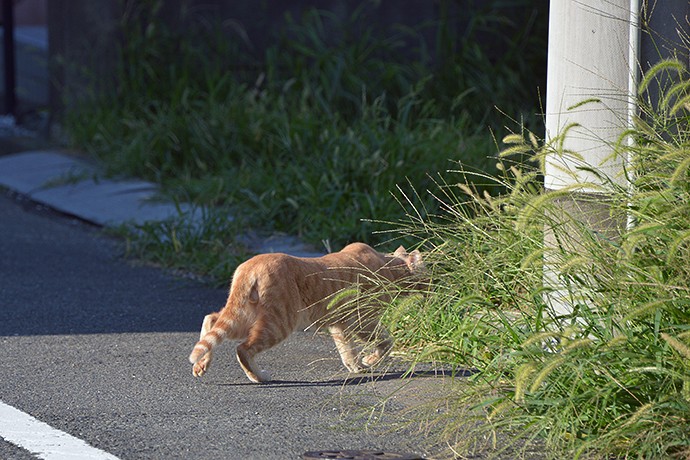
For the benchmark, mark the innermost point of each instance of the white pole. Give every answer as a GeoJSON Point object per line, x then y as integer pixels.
{"type": "Point", "coordinates": [633, 78]}
{"type": "Point", "coordinates": [592, 57]}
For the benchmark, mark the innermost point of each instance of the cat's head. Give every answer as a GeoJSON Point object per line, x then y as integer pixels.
{"type": "Point", "coordinates": [416, 277]}
{"type": "Point", "coordinates": [413, 260]}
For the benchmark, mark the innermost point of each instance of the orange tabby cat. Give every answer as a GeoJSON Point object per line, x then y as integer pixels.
{"type": "Point", "coordinates": [272, 295]}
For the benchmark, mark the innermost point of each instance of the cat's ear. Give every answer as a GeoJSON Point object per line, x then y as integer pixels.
{"type": "Point", "coordinates": [400, 252]}
{"type": "Point", "coordinates": [414, 260]}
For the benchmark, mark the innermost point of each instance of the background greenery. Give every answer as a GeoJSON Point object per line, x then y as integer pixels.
{"type": "Point", "coordinates": [313, 136]}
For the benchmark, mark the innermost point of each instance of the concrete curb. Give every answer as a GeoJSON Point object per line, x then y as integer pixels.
{"type": "Point", "coordinates": [73, 186]}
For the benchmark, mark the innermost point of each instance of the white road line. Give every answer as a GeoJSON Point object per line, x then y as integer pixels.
{"type": "Point", "coordinates": [43, 440]}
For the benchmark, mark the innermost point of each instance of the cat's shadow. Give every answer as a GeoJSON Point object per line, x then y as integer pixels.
{"type": "Point", "coordinates": [358, 379]}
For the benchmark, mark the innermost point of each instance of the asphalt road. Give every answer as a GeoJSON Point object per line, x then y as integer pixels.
{"type": "Point", "coordinates": [97, 347]}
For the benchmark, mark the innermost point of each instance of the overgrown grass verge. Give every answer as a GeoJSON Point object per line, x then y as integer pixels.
{"type": "Point", "coordinates": [610, 378]}
{"type": "Point", "coordinates": [201, 242]}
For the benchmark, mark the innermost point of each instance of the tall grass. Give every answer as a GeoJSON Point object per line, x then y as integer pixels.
{"type": "Point", "coordinates": [612, 376]}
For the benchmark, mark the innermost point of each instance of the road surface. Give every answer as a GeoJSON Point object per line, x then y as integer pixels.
{"type": "Point", "coordinates": [96, 347]}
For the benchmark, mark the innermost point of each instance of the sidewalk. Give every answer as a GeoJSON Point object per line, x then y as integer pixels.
{"type": "Point", "coordinates": [73, 186]}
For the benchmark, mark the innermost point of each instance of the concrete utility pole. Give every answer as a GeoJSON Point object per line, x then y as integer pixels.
{"type": "Point", "coordinates": [596, 52]}
{"type": "Point", "coordinates": [592, 56]}
{"type": "Point", "coordinates": [593, 48]}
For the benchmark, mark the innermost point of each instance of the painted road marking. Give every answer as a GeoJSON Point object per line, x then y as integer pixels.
{"type": "Point", "coordinates": [43, 440]}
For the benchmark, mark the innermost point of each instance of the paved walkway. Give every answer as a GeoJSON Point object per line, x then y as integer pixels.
{"type": "Point", "coordinates": [76, 187]}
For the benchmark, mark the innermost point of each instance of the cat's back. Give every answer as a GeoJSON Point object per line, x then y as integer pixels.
{"type": "Point", "coordinates": [358, 255]}
{"type": "Point", "coordinates": [364, 258]}
{"type": "Point", "coordinates": [279, 268]}
{"type": "Point", "coordinates": [276, 264]}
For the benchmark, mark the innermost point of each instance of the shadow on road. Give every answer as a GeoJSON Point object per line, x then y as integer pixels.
{"type": "Point", "coordinates": [59, 276]}
{"type": "Point", "coordinates": [355, 380]}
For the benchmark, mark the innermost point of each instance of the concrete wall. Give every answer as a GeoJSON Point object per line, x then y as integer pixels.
{"type": "Point", "coordinates": [664, 27]}
{"type": "Point", "coordinates": [83, 33]}
{"type": "Point", "coordinates": [260, 21]}
{"type": "Point", "coordinates": [28, 12]}
{"type": "Point", "coordinates": [82, 37]}
{"type": "Point", "coordinates": [30, 58]}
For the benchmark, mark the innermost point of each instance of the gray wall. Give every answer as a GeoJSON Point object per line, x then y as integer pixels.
{"type": "Point", "coordinates": [81, 38]}
{"type": "Point", "coordinates": [83, 33]}
{"type": "Point", "coordinates": [664, 28]}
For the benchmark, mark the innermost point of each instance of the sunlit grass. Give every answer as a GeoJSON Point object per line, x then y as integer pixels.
{"type": "Point", "coordinates": [611, 377]}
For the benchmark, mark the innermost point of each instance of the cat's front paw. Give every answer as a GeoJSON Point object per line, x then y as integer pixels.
{"type": "Point", "coordinates": [356, 368]}
{"type": "Point", "coordinates": [200, 368]}
{"type": "Point", "coordinates": [371, 360]}
{"type": "Point", "coordinates": [379, 354]}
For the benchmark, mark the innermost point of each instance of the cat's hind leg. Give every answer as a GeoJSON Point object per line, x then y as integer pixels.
{"type": "Point", "coordinates": [245, 356]}
{"type": "Point", "coordinates": [345, 349]}
{"type": "Point", "coordinates": [203, 364]}
{"type": "Point", "coordinates": [260, 338]}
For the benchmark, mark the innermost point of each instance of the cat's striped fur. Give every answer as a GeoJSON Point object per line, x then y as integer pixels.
{"type": "Point", "coordinates": [272, 295]}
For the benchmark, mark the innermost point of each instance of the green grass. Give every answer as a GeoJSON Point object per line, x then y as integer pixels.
{"type": "Point", "coordinates": [205, 247]}
{"type": "Point", "coordinates": [314, 137]}
{"type": "Point", "coordinates": [610, 379]}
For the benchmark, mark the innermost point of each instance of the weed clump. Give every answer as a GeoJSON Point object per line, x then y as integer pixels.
{"type": "Point", "coordinates": [610, 375]}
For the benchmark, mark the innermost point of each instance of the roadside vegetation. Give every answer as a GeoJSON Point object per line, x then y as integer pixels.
{"type": "Point", "coordinates": [370, 139]}
{"type": "Point", "coordinates": [612, 378]}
